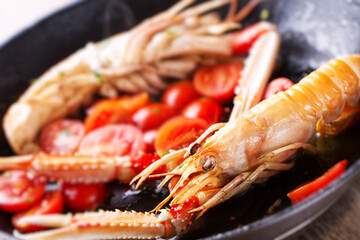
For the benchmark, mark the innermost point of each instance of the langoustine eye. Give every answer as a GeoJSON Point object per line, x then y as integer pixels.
{"type": "Point", "coordinates": [208, 162]}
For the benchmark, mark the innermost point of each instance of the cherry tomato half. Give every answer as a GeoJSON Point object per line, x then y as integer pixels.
{"type": "Point", "coordinates": [245, 38]}
{"type": "Point", "coordinates": [149, 139]}
{"type": "Point", "coordinates": [299, 194]}
{"type": "Point", "coordinates": [217, 82]}
{"type": "Point", "coordinates": [84, 197]}
{"type": "Point", "coordinates": [152, 116]}
{"type": "Point", "coordinates": [204, 108]}
{"type": "Point", "coordinates": [20, 190]}
{"type": "Point", "coordinates": [62, 136]}
{"type": "Point", "coordinates": [277, 85]}
{"type": "Point", "coordinates": [178, 133]}
{"type": "Point", "coordinates": [104, 113]}
{"type": "Point", "coordinates": [111, 111]}
{"type": "Point", "coordinates": [142, 161]}
{"type": "Point", "coordinates": [178, 95]}
{"type": "Point", "coordinates": [52, 203]}
{"type": "Point", "coordinates": [113, 140]}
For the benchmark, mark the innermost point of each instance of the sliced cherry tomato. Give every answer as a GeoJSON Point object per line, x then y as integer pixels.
{"type": "Point", "coordinates": [152, 116]}
{"type": "Point", "coordinates": [51, 203]}
{"type": "Point", "coordinates": [245, 38]}
{"type": "Point", "coordinates": [149, 139]}
{"type": "Point", "coordinates": [204, 108]}
{"type": "Point", "coordinates": [277, 85]}
{"type": "Point", "coordinates": [84, 197]}
{"type": "Point", "coordinates": [113, 140]}
{"type": "Point", "coordinates": [304, 191]}
{"type": "Point", "coordinates": [111, 111]}
{"type": "Point", "coordinates": [106, 112]}
{"type": "Point", "coordinates": [20, 190]}
{"type": "Point", "coordinates": [142, 161]}
{"type": "Point", "coordinates": [178, 133]}
{"type": "Point", "coordinates": [178, 95]}
{"type": "Point", "coordinates": [182, 210]}
{"type": "Point", "coordinates": [217, 82]}
{"type": "Point", "coordinates": [62, 136]}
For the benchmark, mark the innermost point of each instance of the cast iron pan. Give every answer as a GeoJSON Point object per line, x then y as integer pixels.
{"type": "Point", "coordinates": [312, 33]}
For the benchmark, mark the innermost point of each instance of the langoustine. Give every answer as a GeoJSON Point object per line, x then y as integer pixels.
{"type": "Point", "coordinates": [171, 44]}
{"type": "Point", "coordinates": [252, 147]}
{"type": "Point", "coordinates": [89, 169]}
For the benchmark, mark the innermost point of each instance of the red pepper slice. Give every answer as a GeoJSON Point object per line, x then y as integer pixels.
{"type": "Point", "coordinates": [304, 191]}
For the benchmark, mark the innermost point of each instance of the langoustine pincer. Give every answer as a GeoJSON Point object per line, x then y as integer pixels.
{"type": "Point", "coordinates": [251, 147]}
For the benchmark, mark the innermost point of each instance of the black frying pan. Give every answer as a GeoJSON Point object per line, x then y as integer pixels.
{"type": "Point", "coordinates": [312, 33]}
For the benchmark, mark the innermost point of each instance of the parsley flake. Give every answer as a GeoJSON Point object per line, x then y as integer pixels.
{"type": "Point", "coordinates": [32, 81]}
{"type": "Point", "coordinates": [264, 14]}
{"type": "Point", "coordinates": [98, 77]}
{"type": "Point", "coordinates": [164, 154]}
{"type": "Point", "coordinates": [155, 110]}
{"type": "Point", "coordinates": [7, 174]}
{"type": "Point", "coordinates": [170, 32]}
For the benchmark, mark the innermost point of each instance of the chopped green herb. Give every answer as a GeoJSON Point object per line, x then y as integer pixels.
{"type": "Point", "coordinates": [264, 14]}
{"type": "Point", "coordinates": [64, 132]}
{"type": "Point", "coordinates": [7, 174]}
{"type": "Point", "coordinates": [155, 110]}
{"type": "Point", "coordinates": [61, 74]}
{"type": "Point", "coordinates": [2, 105]}
{"type": "Point", "coordinates": [29, 200]}
{"type": "Point", "coordinates": [33, 80]}
{"type": "Point", "coordinates": [164, 154]}
{"type": "Point", "coordinates": [103, 42]}
{"type": "Point", "coordinates": [170, 32]}
{"type": "Point", "coordinates": [168, 209]}
{"type": "Point", "coordinates": [99, 77]}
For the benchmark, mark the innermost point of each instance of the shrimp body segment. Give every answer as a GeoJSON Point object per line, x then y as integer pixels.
{"type": "Point", "coordinates": [250, 148]}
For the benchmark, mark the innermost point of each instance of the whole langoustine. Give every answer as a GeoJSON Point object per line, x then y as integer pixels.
{"type": "Point", "coordinates": [171, 44]}
{"type": "Point", "coordinates": [252, 147]}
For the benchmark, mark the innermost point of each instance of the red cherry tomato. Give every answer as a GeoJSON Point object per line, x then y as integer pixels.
{"type": "Point", "coordinates": [51, 203]}
{"type": "Point", "coordinates": [62, 136]}
{"type": "Point", "coordinates": [84, 197]}
{"type": "Point", "coordinates": [142, 161]}
{"type": "Point", "coordinates": [178, 95]}
{"type": "Point", "coordinates": [277, 85]}
{"type": "Point", "coordinates": [111, 111]}
{"type": "Point", "coordinates": [245, 38]}
{"type": "Point", "coordinates": [299, 194]}
{"type": "Point", "coordinates": [20, 190]}
{"type": "Point", "coordinates": [104, 113]}
{"type": "Point", "coordinates": [152, 116]}
{"type": "Point", "coordinates": [217, 82]}
{"type": "Point", "coordinates": [178, 133]}
{"type": "Point", "coordinates": [182, 211]}
{"type": "Point", "coordinates": [113, 140]}
{"type": "Point", "coordinates": [149, 139]}
{"type": "Point", "coordinates": [204, 108]}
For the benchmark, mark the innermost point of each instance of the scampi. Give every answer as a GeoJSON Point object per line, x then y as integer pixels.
{"type": "Point", "coordinates": [252, 147]}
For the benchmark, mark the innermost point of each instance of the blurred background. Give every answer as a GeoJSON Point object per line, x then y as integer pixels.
{"type": "Point", "coordinates": [17, 14]}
